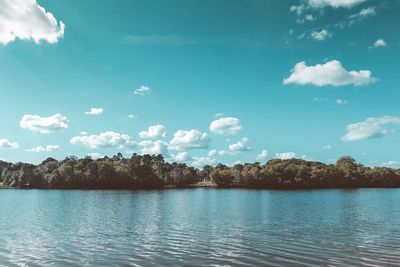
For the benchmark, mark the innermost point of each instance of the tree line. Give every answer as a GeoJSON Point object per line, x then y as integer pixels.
{"type": "Point", "coordinates": [152, 171]}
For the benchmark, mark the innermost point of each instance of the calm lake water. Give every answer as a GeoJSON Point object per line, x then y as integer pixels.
{"type": "Point", "coordinates": [207, 227]}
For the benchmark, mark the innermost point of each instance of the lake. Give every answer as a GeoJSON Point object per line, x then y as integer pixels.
{"type": "Point", "coordinates": [208, 227]}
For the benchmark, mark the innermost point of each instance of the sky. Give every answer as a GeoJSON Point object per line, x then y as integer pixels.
{"type": "Point", "coordinates": [200, 82]}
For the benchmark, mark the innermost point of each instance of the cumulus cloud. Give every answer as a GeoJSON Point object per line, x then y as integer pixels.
{"type": "Point", "coordinates": [48, 148]}
{"type": "Point", "coordinates": [370, 128]}
{"type": "Point", "coordinates": [6, 144]}
{"type": "Point", "coordinates": [241, 145]}
{"type": "Point", "coordinates": [286, 155]}
{"type": "Point", "coordinates": [190, 140]}
{"type": "Point", "coordinates": [154, 147]}
{"type": "Point", "coordinates": [380, 43]}
{"type": "Point", "coordinates": [182, 157]}
{"type": "Point", "coordinates": [320, 35]}
{"type": "Point", "coordinates": [262, 156]}
{"type": "Point", "coordinates": [331, 73]}
{"type": "Point", "coordinates": [44, 125]}
{"type": "Point", "coordinates": [155, 131]}
{"type": "Point", "coordinates": [27, 20]}
{"type": "Point", "coordinates": [226, 126]}
{"type": "Point", "coordinates": [143, 90]}
{"type": "Point", "coordinates": [94, 111]}
{"type": "Point", "coordinates": [104, 140]}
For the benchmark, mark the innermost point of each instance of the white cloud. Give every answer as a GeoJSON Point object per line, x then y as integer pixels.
{"type": "Point", "coordinates": [262, 156]}
{"type": "Point", "coordinates": [365, 12]}
{"type": "Point", "coordinates": [286, 155]}
{"type": "Point", "coordinates": [44, 125]}
{"type": "Point", "coordinates": [380, 43]}
{"type": "Point", "coordinates": [6, 144]}
{"type": "Point", "coordinates": [132, 116]}
{"type": "Point", "coordinates": [334, 3]}
{"type": "Point", "coordinates": [48, 148]}
{"type": "Point", "coordinates": [391, 163]}
{"type": "Point", "coordinates": [215, 152]}
{"type": "Point", "coordinates": [143, 90]}
{"type": "Point", "coordinates": [95, 155]}
{"type": "Point", "coordinates": [341, 102]}
{"type": "Point", "coordinates": [321, 35]}
{"type": "Point", "coordinates": [219, 115]}
{"type": "Point", "coordinates": [182, 157]}
{"type": "Point", "coordinates": [370, 128]}
{"type": "Point", "coordinates": [226, 126]}
{"type": "Point", "coordinates": [331, 73]}
{"type": "Point", "coordinates": [104, 140]}
{"type": "Point", "coordinates": [327, 147]}
{"type": "Point", "coordinates": [154, 147]}
{"type": "Point", "coordinates": [190, 140]}
{"type": "Point", "coordinates": [241, 145]}
{"type": "Point", "coordinates": [155, 131]}
{"type": "Point", "coordinates": [200, 162]}
{"type": "Point", "coordinates": [27, 20]}
{"type": "Point", "coordinates": [94, 111]}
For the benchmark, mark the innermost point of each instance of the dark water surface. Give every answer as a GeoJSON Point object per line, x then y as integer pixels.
{"type": "Point", "coordinates": [207, 227]}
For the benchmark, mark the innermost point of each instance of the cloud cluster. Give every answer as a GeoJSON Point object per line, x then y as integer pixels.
{"type": "Point", "coordinates": [331, 73]}
{"type": "Point", "coordinates": [27, 20]}
{"type": "Point", "coordinates": [6, 144]}
{"type": "Point", "coordinates": [334, 3]}
{"type": "Point", "coordinates": [48, 148]}
{"type": "Point", "coordinates": [370, 128]}
{"type": "Point", "coordinates": [225, 126]}
{"type": "Point", "coordinates": [44, 125]}
{"type": "Point", "coordinates": [104, 140]}
{"type": "Point", "coordinates": [192, 139]}
{"type": "Point", "coordinates": [155, 131]}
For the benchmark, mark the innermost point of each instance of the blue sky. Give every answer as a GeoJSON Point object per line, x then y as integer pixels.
{"type": "Point", "coordinates": [314, 79]}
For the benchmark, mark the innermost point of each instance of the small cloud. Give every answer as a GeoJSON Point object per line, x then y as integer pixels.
{"type": "Point", "coordinates": [143, 90]}
{"type": "Point", "coordinates": [321, 35]}
{"type": "Point", "coordinates": [262, 156]}
{"type": "Point", "coordinates": [380, 43]}
{"type": "Point", "coordinates": [341, 102]}
{"type": "Point", "coordinates": [192, 139]}
{"type": "Point", "coordinates": [286, 155]}
{"type": "Point", "coordinates": [94, 111]}
{"type": "Point", "coordinates": [327, 147]}
{"type": "Point", "coordinates": [365, 12]}
{"type": "Point", "coordinates": [95, 155]}
{"type": "Point", "coordinates": [370, 128]}
{"type": "Point", "coordinates": [48, 148]}
{"type": "Point", "coordinates": [109, 139]}
{"type": "Point", "coordinates": [226, 126]}
{"type": "Point", "coordinates": [44, 125]}
{"type": "Point", "coordinates": [155, 131]}
{"type": "Point", "coordinates": [391, 163]}
{"type": "Point", "coordinates": [240, 146]}
{"type": "Point", "coordinates": [154, 147]}
{"type": "Point", "coordinates": [6, 144]}
{"type": "Point", "coordinates": [132, 116]}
